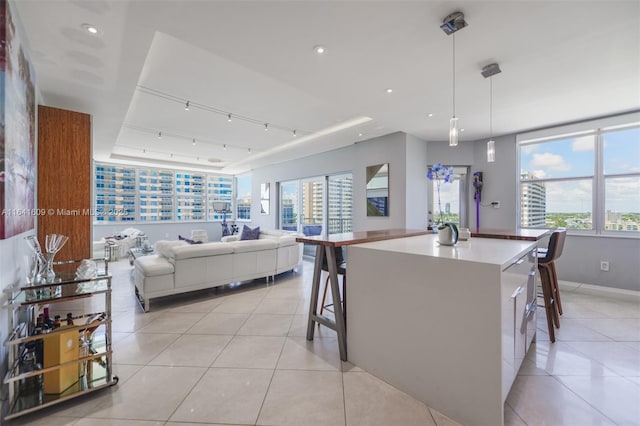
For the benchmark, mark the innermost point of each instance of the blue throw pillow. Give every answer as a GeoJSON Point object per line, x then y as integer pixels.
{"type": "Point", "coordinates": [250, 234]}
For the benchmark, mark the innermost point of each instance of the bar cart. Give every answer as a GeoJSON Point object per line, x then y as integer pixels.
{"type": "Point", "coordinates": [54, 360]}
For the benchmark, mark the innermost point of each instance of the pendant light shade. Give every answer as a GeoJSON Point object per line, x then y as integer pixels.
{"type": "Point", "coordinates": [491, 151]}
{"type": "Point", "coordinates": [453, 131]}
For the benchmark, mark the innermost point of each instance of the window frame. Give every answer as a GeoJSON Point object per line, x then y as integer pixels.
{"type": "Point", "coordinates": [598, 128]}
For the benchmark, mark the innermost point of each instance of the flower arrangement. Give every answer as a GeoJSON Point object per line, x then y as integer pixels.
{"type": "Point", "coordinates": [440, 174]}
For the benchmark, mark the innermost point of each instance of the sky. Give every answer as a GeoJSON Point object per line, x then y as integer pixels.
{"type": "Point", "coordinates": [575, 157]}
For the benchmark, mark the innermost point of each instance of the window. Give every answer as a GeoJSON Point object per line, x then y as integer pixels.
{"type": "Point", "coordinates": [219, 188]}
{"type": "Point", "coordinates": [243, 198]}
{"type": "Point", "coordinates": [621, 170]}
{"type": "Point", "coordinates": [155, 188]}
{"type": "Point", "coordinates": [190, 196]}
{"type": "Point", "coordinates": [125, 193]}
{"type": "Point", "coordinates": [115, 193]}
{"type": "Point", "coordinates": [556, 183]}
{"type": "Point", "coordinates": [585, 180]}
{"type": "Point", "coordinates": [453, 196]}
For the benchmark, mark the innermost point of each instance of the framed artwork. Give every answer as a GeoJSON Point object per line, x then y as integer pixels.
{"type": "Point", "coordinates": [17, 130]}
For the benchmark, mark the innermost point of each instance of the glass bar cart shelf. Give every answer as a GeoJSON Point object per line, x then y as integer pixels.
{"type": "Point", "coordinates": [64, 362]}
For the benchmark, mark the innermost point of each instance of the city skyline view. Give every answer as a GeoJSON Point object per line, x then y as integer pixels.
{"type": "Point", "coordinates": [574, 157]}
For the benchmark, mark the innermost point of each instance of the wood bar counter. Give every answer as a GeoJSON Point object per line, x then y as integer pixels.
{"type": "Point", "coordinates": [512, 234]}
{"type": "Point", "coordinates": [325, 246]}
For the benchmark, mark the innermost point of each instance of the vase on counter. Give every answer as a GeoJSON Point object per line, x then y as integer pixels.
{"type": "Point", "coordinates": [448, 234]}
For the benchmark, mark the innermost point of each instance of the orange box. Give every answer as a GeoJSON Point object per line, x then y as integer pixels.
{"type": "Point", "coordinates": [59, 348]}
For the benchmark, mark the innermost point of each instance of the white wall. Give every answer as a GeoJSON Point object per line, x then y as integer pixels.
{"type": "Point", "coordinates": [417, 184]}
{"type": "Point", "coordinates": [355, 159]}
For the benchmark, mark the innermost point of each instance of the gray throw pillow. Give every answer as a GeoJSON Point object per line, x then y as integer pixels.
{"type": "Point", "coordinates": [250, 234]}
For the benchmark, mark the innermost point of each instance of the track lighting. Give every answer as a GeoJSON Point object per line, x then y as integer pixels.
{"type": "Point", "coordinates": [294, 133]}
{"type": "Point", "coordinates": [230, 116]}
{"type": "Point", "coordinates": [194, 142]}
{"type": "Point", "coordinates": [159, 135]}
{"type": "Point", "coordinates": [224, 147]}
{"type": "Point", "coordinates": [249, 150]}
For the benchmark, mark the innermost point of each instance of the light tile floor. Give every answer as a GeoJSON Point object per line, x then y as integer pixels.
{"type": "Point", "coordinates": [238, 356]}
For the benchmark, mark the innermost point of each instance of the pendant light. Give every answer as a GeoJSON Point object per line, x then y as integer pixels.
{"type": "Point", "coordinates": [488, 72]}
{"type": "Point", "coordinates": [450, 25]}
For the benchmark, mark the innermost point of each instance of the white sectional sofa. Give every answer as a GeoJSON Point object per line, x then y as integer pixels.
{"type": "Point", "coordinates": [179, 267]}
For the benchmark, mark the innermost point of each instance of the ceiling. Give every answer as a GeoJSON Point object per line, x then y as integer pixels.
{"type": "Point", "coordinates": [561, 61]}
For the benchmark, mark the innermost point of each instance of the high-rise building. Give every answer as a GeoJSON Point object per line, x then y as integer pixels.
{"type": "Point", "coordinates": [533, 202]}
{"type": "Point", "coordinates": [340, 204]}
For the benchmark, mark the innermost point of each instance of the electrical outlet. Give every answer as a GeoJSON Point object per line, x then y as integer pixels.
{"type": "Point", "coordinates": [495, 204]}
{"type": "Point", "coordinates": [604, 265]}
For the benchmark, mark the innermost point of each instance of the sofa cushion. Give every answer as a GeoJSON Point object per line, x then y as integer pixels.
{"type": "Point", "coordinates": [201, 250]}
{"type": "Point", "coordinates": [252, 245]}
{"type": "Point", "coordinates": [250, 234]}
{"type": "Point", "coordinates": [165, 247]}
{"type": "Point", "coordinates": [153, 265]}
{"type": "Point", "coordinates": [286, 240]}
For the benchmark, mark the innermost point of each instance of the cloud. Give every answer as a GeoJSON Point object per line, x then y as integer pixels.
{"type": "Point", "coordinates": [583, 143]}
{"type": "Point", "coordinates": [539, 174]}
{"type": "Point", "coordinates": [550, 161]}
{"type": "Point", "coordinates": [528, 149]}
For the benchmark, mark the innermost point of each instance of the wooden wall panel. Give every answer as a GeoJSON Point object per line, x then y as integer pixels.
{"type": "Point", "coordinates": [64, 179]}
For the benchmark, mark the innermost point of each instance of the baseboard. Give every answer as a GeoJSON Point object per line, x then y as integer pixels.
{"type": "Point", "coordinates": [598, 290]}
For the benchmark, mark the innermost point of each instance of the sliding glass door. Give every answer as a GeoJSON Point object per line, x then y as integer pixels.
{"type": "Point", "coordinates": [315, 205]}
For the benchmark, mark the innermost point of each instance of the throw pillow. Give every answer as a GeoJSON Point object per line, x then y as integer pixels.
{"type": "Point", "coordinates": [250, 234]}
{"type": "Point", "coordinates": [188, 240]}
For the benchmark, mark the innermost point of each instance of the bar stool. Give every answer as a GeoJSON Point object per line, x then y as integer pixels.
{"type": "Point", "coordinates": [341, 266]}
{"type": "Point", "coordinates": [549, 280]}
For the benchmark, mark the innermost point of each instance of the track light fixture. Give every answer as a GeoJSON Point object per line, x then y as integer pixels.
{"type": "Point", "coordinates": [249, 150]}
{"type": "Point", "coordinates": [224, 147]}
{"type": "Point", "coordinates": [194, 142]}
{"type": "Point", "coordinates": [294, 133]}
{"type": "Point", "coordinates": [229, 115]}
{"type": "Point", "coordinates": [159, 135]}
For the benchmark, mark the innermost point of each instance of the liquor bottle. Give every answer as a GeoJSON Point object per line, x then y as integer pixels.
{"type": "Point", "coordinates": [69, 319]}
{"type": "Point", "coordinates": [57, 323]}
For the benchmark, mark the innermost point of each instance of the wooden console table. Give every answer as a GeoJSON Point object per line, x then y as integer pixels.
{"type": "Point", "coordinates": [325, 246]}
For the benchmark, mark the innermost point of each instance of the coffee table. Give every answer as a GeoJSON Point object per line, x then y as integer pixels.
{"type": "Point", "coordinates": [137, 252]}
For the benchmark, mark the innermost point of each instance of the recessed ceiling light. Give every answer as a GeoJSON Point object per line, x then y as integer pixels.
{"type": "Point", "coordinates": [90, 28]}
{"type": "Point", "coordinates": [360, 135]}
{"type": "Point", "coordinates": [389, 90]}
{"type": "Point", "coordinates": [319, 49]}
{"type": "Point", "coordinates": [214, 160]}
{"type": "Point", "coordinates": [462, 130]}
{"type": "Point", "coordinates": [430, 114]}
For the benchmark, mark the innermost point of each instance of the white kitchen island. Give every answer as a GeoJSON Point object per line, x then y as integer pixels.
{"type": "Point", "coordinates": [448, 325]}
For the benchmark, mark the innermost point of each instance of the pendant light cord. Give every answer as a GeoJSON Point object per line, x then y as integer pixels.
{"type": "Point", "coordinates": [454, 74]}
{"type": "Point", "coordinates": [491, 107]}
